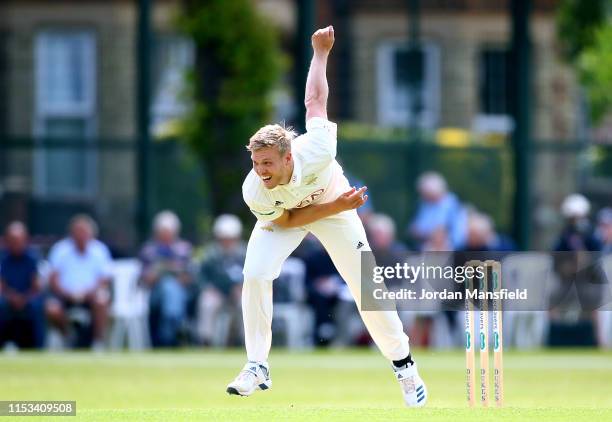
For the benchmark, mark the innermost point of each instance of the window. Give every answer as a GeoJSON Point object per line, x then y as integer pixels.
{"type": "Point", "coordinates": [494, 91]}
{"type": "Point", "coordinates": [174, 56]}
{"type": "Point", "coordinates": [65, 86]}
{"type": "Point", "coordinates": [399, 68]}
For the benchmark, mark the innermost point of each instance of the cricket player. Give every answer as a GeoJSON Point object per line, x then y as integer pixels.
{"type": "Point", "coordinates": [296, 186]}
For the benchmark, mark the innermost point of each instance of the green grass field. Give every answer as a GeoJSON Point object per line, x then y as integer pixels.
{"type": "Point", "coordinates": [334, 385]}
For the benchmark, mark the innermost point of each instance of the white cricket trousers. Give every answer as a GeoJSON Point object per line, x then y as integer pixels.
{"type": "Point", "coordinates": [268, 248]}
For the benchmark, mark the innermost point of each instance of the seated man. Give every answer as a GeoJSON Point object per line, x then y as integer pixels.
{"type": "Point", "coordinates": [80, 276]}
{"type": "Point", "coordinates": [438, 208]}
{"type": "Point", "coordinates": [20, 295]}
{"type": "Point", "coordinates": [166, 271]}
{"type": "Point", "coordinates": [481, 235]}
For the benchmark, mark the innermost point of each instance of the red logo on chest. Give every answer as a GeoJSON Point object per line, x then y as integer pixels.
{"type": "Point", "coordinates": [310, 198]}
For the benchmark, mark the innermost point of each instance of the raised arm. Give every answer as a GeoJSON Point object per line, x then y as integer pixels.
{"type": "Point", "coordinates": [317, 91]}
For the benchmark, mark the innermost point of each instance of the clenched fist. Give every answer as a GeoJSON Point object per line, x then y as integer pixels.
{"type": "Point", "coordinates": [323, 40]}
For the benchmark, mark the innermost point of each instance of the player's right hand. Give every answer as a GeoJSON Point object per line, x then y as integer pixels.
{"type": "Point", "coordinates": [352, 199]}
{"type": "Point", "coordinates": [323, 40]}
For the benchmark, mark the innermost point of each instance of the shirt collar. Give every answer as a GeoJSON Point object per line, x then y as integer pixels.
{"type": "Point", "coordinates": [296, 177]}
{"type": "Point", "coordinates": [75, 248]}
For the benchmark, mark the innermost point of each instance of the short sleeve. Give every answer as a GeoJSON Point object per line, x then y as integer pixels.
{"type": "Point", "coordinates": [55, 256]}
{"type": "Point", "coordinates": [264, 213]}
{"type": "Point", "coordinates": [322, 134]}
{"type": "Point", "coordinates": [105, 260]}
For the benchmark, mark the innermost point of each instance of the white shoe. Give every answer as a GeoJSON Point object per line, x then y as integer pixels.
{"type": "Point", "coordinates": [254, 376]}
{"type": "Point", "coordinates": [413, 387]}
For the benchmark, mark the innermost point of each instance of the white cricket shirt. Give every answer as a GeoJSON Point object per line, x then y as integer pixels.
{"type": "Point", "coordinates": [317, 177]}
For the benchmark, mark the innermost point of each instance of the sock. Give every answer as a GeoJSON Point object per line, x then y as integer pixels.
{"type": "Point", "coordinates": [407, 361]}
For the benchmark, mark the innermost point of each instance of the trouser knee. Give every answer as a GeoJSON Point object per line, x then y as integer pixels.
{"type": "Point", "coordinates": [258, 274]}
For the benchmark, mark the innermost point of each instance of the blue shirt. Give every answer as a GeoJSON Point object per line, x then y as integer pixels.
{"type": "Point", "coordinates": [18, 272]}
{"type": "Point", "coordinates": [448, 213]}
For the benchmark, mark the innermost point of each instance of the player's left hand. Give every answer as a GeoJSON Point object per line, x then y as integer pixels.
{"type": "Point", "coordinates": [352, 199]}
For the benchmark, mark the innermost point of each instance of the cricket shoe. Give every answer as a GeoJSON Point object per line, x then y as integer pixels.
{"type": "Point", "coordinates": [254, 376]}
{"type": "Point", "coordinates": [413, 387]}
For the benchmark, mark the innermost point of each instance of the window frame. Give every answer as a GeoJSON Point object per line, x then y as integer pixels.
{"type": "Point", "coordinates": [167, 106]}
{"type": "Point", "coordinates": [386, 88]}
{"type": "Point", "coordinates": [485, 122]}
{"type": "Point", "coordinates": [86, 109]}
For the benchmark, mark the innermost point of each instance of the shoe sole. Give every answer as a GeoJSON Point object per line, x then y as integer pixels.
{"type": "Point", "coordinates": [233, 391]}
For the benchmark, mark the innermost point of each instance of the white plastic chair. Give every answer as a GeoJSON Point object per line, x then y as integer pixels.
{"type": "Point", "coordinates": [532, 271]}
{"type": "Point", "coordinates": [129, 308]}
{"type": "Point", "coordinates": [604, 314]}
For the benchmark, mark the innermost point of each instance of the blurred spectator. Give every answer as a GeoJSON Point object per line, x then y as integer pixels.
{"type": "Point", "coordinates": [219, 313]}
{"type": "Point", "coordinates": [481, 235]}
{"type": "Point", "coordinates": [381, 234]}
{"type": "Point", "coordinates": [577, 235]}
{"type": "Point", "coordinates": [572, 323]}
{"type": "Point", "coordinates": [21, 301]}
{"type": "Point", "coordinates": [438, 209]}
{"type": "Point", "coordinates": [337, 320]}
{"type": "Point", "coordinates": [333, 291]}
{"type": "Point", "coordinates": [387, 250]}
{"type": "Point", "coordinates": [79, 281]}
{"type": "Point", "coordinates": [166, 271]}
{"type": "Point", "coordinates": [309, 245]}
{"type": "Point", "coordinates": [604, 230]}
{"type": "Point", "coordinates": [424, 330]}
{"type": "Point", "coordinates": [323, 285]}
{"type": "Point", "coordinates": [438, 241]}
{"type": "Point", "coordinates": [421, 324]}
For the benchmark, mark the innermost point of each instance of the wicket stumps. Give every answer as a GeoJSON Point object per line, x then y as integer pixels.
{"type": "Point", "coordinates": [470, 358]}
{"type": "Point", "coordinates": [492, 280]}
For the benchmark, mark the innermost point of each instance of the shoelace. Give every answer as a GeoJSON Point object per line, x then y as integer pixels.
{"type": "Point", "coordinates": [245, 376]}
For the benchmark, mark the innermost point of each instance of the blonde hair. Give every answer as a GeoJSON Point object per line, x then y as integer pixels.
{"type": "Point", "coordinates": [270, 136]}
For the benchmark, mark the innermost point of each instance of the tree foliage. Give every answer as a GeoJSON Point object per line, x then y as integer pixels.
{"type": "Point", "coordinates": [586, 36]}
{"type": "Point", "coordinates": [577, 25]}
{"type": "Point", "coordinates": [237, 65]}
{"type": "Point", "coordinates": [595, 67]}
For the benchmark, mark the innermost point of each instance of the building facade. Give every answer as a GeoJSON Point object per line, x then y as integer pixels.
{"type": "Point", "coordinates": [68, 70]}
